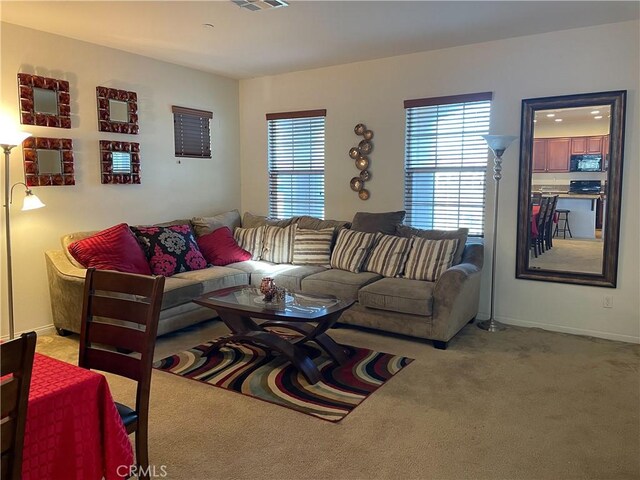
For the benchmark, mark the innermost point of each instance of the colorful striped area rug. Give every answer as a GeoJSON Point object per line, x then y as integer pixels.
{"type": "Point", "coordinates": [256, 372]}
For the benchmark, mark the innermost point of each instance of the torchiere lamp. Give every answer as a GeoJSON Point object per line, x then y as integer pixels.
{"type": "Point", "coordinates": [498, 144]}
{"type": "Point", "coordinates": [9, 140]}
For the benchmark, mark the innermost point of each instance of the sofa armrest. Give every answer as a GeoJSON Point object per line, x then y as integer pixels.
{"type": "Point", "coordinates": [66, 290]}
{"type": "Point", "coordinates": [456, 294]}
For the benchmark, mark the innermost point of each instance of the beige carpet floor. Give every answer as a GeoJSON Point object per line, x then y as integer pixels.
{"type": "Point", "coordinates": [570, 255]}
{"type": "Point", "coordinates": [520, 404]}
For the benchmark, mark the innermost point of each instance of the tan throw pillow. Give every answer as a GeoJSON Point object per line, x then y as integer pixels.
{"type": "Point", "coordinates": [312, 247]}
{"type": "Point", "coordinates": [428, 259]}
{"type": "Point", "coordinates": [351, 250]}
{"type": "Point", "coordinates": [250, 239]}
{"type": "Point", "coordinates": [249, 220]}
{"type": "Point", "coordinates": [389, 255]}
{"type": "Point", "coordinates": [461, 234]}
{"type": "Point", "coordinates": [277, 244]}
{"type": "Point", "coordinates": [204, 225]}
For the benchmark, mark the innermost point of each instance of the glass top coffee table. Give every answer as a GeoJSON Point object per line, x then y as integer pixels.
{"type": "Point", "coordinates": [309, 315]}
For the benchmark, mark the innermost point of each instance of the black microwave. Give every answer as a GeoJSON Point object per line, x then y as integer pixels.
{"type": "Point", "coordinates": [586, 163]}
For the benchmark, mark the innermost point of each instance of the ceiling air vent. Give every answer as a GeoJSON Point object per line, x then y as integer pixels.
{"type": "Point", "coordinates": [255, 5]}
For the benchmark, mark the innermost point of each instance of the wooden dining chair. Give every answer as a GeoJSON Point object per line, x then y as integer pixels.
{"type": "Point", "coordinates": [120, 314]}
{"type": "Point", "coordinates": [548, 222]}
{"type": "Point", "coordinates": [16, 362]}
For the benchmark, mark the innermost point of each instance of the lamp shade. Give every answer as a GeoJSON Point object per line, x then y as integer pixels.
{"type": "Point", "coordinates": [498, 143]}
{"type": "Point", "coordinates": [12, 137]}
{"type": "Point", "coordinates": [31, 201]}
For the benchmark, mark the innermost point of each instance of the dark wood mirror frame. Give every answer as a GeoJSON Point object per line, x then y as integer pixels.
{"type": "Point", "coordinates": [28, 114]}
{"type": "Point", "coordinates": [611, 234]}
{"type": "Point", "coordinates": [105, 123]}
{"type": "Point", "coordinates": [32, 174]}
{"type": "Point", "coordinates": [107, 147]}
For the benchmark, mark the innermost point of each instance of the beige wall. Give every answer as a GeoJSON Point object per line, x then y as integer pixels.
{"type": "Point", "coordinates": [169, 189]}
{"type": "Point", "coordinates": [573, 61]}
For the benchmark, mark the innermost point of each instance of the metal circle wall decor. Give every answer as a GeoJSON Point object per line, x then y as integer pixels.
{"type": "Point", "coordinates": [362, 163]}
{"type": "Point", "coordinates": [359, 154]}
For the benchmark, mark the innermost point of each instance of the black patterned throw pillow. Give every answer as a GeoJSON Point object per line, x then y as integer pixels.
{"type": "Point", "coordinates": [170, 250]}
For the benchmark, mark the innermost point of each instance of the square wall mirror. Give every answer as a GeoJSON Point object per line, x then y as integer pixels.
{"type": "Point", "coordinates": [44, 101]}
{"type": "Point", "coordinates": [120, 162]}
{"type": "Point", "coordinates": [117, 110]}
{"type": "Point", "coordinates": [48, 161]}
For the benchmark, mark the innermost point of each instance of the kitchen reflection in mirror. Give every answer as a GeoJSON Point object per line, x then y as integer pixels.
{"type": "Point", "coordinates": [570, 192]}
{"type": "Point", "coordinates": [568, 188]}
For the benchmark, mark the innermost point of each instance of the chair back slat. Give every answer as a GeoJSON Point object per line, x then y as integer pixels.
{"type": "Point", "coordinates": [16, 358]}
{"type": "Point", "coordinates": [110, 334]}
{"type": "Point", "coordinates": [544, 203]}
{"type": "Point", "coordinates": [10, 396]}
{"type": "Point", "coordinates": [112, 362]}
{"type": "Point", "coordinates": [8, 433]}
{"type": "Point", "coordinates": [129, 310]}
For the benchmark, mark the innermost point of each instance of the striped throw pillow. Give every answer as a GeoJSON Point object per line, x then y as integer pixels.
{"type": "Point", "coordinates": [250, 239]}
{"type": "Point", "coordinates": [312, 247]}
{"type": "Point", "coordinates": [428, 259]}
{"type": "Point", "coordinates": [389, 255]}
{"type": "Point", "coordinates": [351, 250]}
{"type": "Point", "coordinates": [277, 244]}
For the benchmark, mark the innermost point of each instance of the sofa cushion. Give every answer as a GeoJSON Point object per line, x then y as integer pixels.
{"type": "Point", "coordinates": [313, 223]}
{"type": "Point", "coordinates": [389, 255]}
{"type": "Point", "coordinates": [377, 222]}
{"type": "Point", "coordinates": [461, 234]}
{"type": "Point", "coordinates": [338, 283]}
{"type": "Point", "coordinates": [204, 225]}
{"type": "Point", "coordinates": [399, 295]}
{"type": "Point", "coordinates": [285, 275]}
{"type": "Point", "coordinates": [115, 248]}
{"type": "Point", "coordinates": [428, 259]}
{"type": "Point", "coordinates": [312, 247]}
{"type": "Point", "coordinates": [220, 248]}
{"type": "Point", "coordinates": [351, 250]}
{"type": "Point", "coordinates": [277, 243]}
{"type": "Point", "coordinates": [178, 291]}
{"type": "Point", "coordinates": [215, 278]}
{"type": "Point", "coordinates": [249, 220]}
{"type": "Point", "coordinates": [170, 250]}
{"type": "Point", "coordinates": [250, 239]}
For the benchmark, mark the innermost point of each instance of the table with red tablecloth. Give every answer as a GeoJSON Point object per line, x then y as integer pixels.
{"type": "Point", "coordinates": [73, 429]}
{"type": "Point", "coordinates": [535, 213]}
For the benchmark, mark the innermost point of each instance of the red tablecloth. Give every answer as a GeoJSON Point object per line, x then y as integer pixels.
{"type": "Point", "coordinates": [73, 428]}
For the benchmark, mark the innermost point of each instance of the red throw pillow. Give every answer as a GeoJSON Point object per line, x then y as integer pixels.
{"type": "Point", "coordinates": [115, 248]}
{"type": "Point", "coordinates": [220, 248]}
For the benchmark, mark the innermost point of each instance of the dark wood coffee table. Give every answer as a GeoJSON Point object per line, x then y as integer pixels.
{"type": "Point", "coordinates": [309, 315]}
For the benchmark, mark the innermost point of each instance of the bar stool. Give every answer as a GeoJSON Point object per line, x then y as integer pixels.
{"type": "Point", "coordinates": [563, 216]}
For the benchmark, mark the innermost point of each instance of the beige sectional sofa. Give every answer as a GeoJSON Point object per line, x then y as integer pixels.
{"type": "Point", "coordinates": [427, 310]}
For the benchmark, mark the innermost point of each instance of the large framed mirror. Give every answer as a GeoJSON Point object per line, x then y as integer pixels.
{"type": "Point", "coordinates": [570, 190]}
{"type": "Point", "coordinates": [44, 101]}
{"type": "Point", "coordinates": [48, 161]}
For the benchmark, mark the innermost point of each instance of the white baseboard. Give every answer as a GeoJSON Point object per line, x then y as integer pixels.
{"type": "Point", "coordinates": [560, 328]}
{"type": "Point", "coordinates": [44, 330]}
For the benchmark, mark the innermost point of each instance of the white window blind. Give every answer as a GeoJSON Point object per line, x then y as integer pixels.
{"type": "Point", "coordinates": [296, 163]}
{"type": "Point", "coordinates": [446, 161]}
{"type": "Point", "coordinates": [192, 133]}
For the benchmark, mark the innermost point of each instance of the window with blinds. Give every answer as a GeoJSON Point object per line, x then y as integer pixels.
{"type": "Point", "coordinates": [192, 133]}
{"type": "Point", "coordinates": [296, 163]}
{"type": "Point", "coordinates": [446, 162]}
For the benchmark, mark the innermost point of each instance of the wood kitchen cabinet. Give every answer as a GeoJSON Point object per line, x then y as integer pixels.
{"type": "Point", "coordinates": [551, 154]}
{"type": "Point", "coordinates": [587, 145]}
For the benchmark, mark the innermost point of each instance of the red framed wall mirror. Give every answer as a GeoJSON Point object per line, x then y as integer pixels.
{"type": "Point", "coordinates": [48, 161]}
{"type": "Point", "coordinates": [44, 101]}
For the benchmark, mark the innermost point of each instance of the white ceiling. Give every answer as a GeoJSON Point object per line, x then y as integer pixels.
{"type": "Point", "coordinates": [307, 34]}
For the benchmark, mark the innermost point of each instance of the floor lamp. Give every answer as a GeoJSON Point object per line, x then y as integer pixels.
{"type": "Point", "coordinates": [498, 144]}
{"type": "Point", "coordinates": [8, 140]}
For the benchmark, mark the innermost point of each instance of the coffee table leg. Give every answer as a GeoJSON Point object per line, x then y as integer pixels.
{"type": "Point", "coordinates": [335, 351]}
{"type": "Point", "coordinates": [246, 330]}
